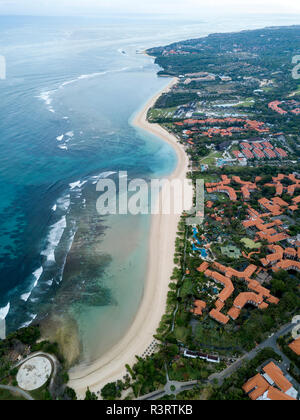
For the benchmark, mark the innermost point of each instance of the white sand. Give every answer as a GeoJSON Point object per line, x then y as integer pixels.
{"type": "Point", "coordinates": [111, 366]}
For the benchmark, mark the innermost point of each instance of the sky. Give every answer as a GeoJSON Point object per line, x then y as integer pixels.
{"type": "Point", "coordinates": [191, 8]}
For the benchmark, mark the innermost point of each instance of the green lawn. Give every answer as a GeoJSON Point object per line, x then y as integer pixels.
{"type": "Point", "coordinates": [211, 159]}
{"type": "Point", "coordinates": [209, 333]}
{"type": "Point", "coordinates": [231, 251]}
{"type": "Point", "coordinates": [249, 243]}
{"type": "Point", "coordinates": [267, 89]}
{"type": "Point", "coordinates": [247, 103]}
{"type": "Point", "coordinates": [181, 333]}
{"type": "Point", "coordinates": [155, 113]}
{"type": "Point", "coordinates": [297, 92]}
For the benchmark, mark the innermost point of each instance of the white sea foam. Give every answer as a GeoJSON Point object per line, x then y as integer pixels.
{"type": "Point", "coordinates": [36, 275]}
{"type": "Point", "coordinates": [60, 138]}
{"type": "Point", "coordinates": [77, 184]}
{"type": "Point", "coordinates": [54, 238]}
{"type": "Point", "coordinates": [54, 208]}
{"type": "Point", "coordinates": [26, 324]}
{"type": "Point", "coordinates": [4, 311]}
{"type": "Point", "coordinates": [103, 175]}
{"type": "Point", "coordinates": [70, 243]}
{"type": "Point", "coordinates": [47, 98]}
{"type": "Point", "coordinates": [63, 147]}
{"type": "Point", "coordinates": [82, 77]}
{"type": "Point", "coordinates": [63, 203]}
{"type": "Point", "coordinates": [26, 296]}
{"type": "Point", "coordinates": [70, 134]}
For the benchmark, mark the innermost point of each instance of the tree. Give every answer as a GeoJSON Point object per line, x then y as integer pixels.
{"type": "Point", "coordinates": [278, 286]}
{"type": "Point", "coordinates": [90, 396]}
{"type": "Point", "coordinates": [70, 394]}
{"type": "Point", "coordinates": [110, 391]}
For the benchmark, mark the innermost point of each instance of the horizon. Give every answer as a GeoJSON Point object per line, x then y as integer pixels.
{"type": "Point", "coordinates": [190, 9]}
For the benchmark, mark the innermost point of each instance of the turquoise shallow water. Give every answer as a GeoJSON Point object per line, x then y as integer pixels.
{"type": "Point", "coordinates": [72, 87]}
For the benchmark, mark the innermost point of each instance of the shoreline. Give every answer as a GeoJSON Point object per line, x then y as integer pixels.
{"type": "Point", "coordinates": [111, 366]}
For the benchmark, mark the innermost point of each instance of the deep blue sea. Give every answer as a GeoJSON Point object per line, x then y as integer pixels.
{"type": "Point", "coordinates": [72, 87]}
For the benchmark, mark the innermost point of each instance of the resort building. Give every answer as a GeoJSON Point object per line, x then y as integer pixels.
{"type": "Point", "coordinates": [245, 145]}
{"type": "Point", "coordinates": [248, 154]}
{"type": "Point", "coordinates": [196, 355]}
{"type": "Point", "coordinates": [295, 346]}
{"type": "Point", "coordinates": [199, 306]}
{"type": "Point", "coordinates": [203, 267]}
{"type": "Point", "coordinates": [270, 384]}
{"type": "Point", "coordinates": [280, 188]}
{"type": "Point", "coordinates": [256, 297]}
{"type": "Point", "coordinates": [225, 281]}
{"type": "Point", "coordinates": [219, 317]}
{"type": "Point", "coordinates": [267, 145]}
{"type": "Point", "coordinates": [246, 298]}
{"type": "Point", "coordinates": [275, 107]}
{"type": "Point", "coordinates": [280, 152]}
{"type": "Point", "coordinates": [287, 265]}
{"type": "Point", "coordinates": [258, 153]}
{"type": "Point", "coordinates": [270, 153]}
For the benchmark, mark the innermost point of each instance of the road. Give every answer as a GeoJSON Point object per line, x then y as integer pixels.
{"type": "Point", "coordinates": [271, 342]}
{"type": "Point", "coordinates": [171, 388]}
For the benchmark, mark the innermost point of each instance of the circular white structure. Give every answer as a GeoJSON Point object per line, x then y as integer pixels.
{"type": "Point", "coordinates": [34, 373]}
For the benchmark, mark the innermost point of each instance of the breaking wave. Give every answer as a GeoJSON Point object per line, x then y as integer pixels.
{"type": "Point", "coordinates": [4, 311]}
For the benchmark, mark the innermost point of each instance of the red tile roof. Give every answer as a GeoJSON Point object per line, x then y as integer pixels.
{"type": "Point", "coordinates": [203, 267]}
{"type": "Point", "coordinates": [281, 152]}
{"type": "Point", "coordinates": [200, 305]}
{"type": "Point", "coordinates": [258, 153]}
{"type": "Point", "coordinates": [275, 373]}
{"type": "Point", "coordinates": [248, 154]}
{"type": "Point", "coordinates": [256, 387]}
{"type": "Point", "coordinates": [270, 153]}
{"type": "Point", "coordinates": [260, 387]}
{"type": "Point", "coordinates": [218, 316]}
{"type": "Point", "coordinates": [295, 346]}
{"type": "Point", "coordinates": [275, 107]}
{"type": "Point", "coordinates": [225, 281]}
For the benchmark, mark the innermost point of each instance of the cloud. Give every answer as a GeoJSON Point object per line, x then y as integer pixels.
{"type": "Point", "coordinates": [182, 7]}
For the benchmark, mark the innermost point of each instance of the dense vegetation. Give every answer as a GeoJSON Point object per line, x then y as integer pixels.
{"type": "Point", "coordinates": [19, 345]}
{"type": "Point", "coordinates": [263, 49]}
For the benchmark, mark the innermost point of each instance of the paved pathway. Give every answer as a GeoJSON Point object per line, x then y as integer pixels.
{"type": "Point", "coordinates": [17, 391]}
{"type": "Point", "coordinates": [270, 342]}
{"type": "Point", "coordinates": [179, 387]}
{"type": "Point", "coordinates": [171, 388]}
{"type": "Point", "coordinates": [183, 386]}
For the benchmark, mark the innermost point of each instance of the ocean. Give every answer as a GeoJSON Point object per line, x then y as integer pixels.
{"type": "Point", "coordinates": [72, 87]}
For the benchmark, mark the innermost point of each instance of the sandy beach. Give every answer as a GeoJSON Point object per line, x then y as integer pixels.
{"type": "Point", "coordinates": [111, 366]}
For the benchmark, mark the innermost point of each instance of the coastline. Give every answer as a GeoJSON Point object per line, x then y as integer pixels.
{"type": "Point", "coordinates": [111, 366]}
